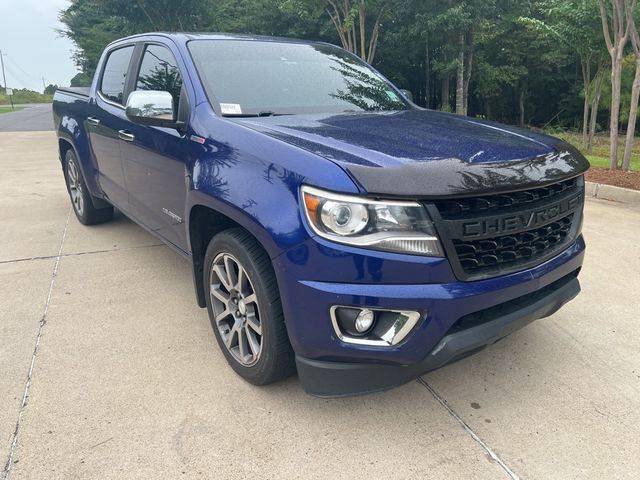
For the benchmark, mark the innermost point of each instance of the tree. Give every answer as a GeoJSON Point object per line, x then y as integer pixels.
{"type": "Point", "coordinates": [616, 35]}
{"type": "Point", "coordinates": [450, 25]}
{"type": "Point", "coordinates": [635, 91]}
{"type": "Point", "coordinates": [357, 23]}
{"type": "Point", "coordinates": [594, 94]}
{"type": "Point", "coordinates": [92, 24]}
{"type": "Point", "coordinates": [81, 80]}
{"type": "Point", "coordinates": [351, 19]}
{"type": "Point", "coordinates": [471, 15]}
{"type": "Point", "coordinates": [519, 68]}
{"type": "Point", "coordinates": [50, 89]}
{"type": "Point", "coordinates": [576, 24]}
{"type": "Point", "coordinates": [448, 34]}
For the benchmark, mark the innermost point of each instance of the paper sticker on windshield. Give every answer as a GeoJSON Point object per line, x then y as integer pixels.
{"type": "Point", "coordinates": [230, 109]}
{"type": "Point", "coordinates": [392, 95]}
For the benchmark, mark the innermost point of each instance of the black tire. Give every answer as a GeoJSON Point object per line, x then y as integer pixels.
{"type": "Point", "coordinates": [81, 199]}
{"type": "Point", "coordinates": [276, 360]}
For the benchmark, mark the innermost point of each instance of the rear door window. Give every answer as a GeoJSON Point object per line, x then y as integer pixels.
{"type": "Point", "coordinates": [115, 74]}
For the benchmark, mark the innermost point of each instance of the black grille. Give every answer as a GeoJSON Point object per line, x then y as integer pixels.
{"type": "Point", "coordinates": [498, 234]}
{"type": "Point", "coordinates": [451, 209]}
{"type": "Point", "coordinates": [521, 247]}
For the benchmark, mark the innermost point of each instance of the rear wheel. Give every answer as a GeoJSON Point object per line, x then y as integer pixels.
{"type": "Point", "coordinates": [245, 310]}
{"type": "Point", "coordinates": [81, 199]}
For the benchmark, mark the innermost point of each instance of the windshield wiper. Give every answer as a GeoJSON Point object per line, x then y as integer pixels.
{"type": "Point", "coordinates": [263, 113]}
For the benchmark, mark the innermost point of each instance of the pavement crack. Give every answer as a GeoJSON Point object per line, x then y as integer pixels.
{"type": "Point", "coordinates": [77, 254]}
{"type": "Point", "coordinates": [101, 443]}
{"type": "Point", "coordinates": [476, 438]}
{"type": "Point", "coordinates": [43, 322]}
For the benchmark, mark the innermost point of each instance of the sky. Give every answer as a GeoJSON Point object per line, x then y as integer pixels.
{"type": "Point", "coordinates": [33, 47]}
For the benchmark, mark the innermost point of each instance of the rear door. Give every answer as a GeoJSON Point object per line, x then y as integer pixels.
{"type": "Point", "coordinates": [154, 157]}
{"type": "Point", "coordinates": [106, 120]}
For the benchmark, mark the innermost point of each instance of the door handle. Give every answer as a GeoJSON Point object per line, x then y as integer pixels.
{"type": "Point", "coordinates": [126, 135]}
{"type": "Point", "coordinates": [93, 121]}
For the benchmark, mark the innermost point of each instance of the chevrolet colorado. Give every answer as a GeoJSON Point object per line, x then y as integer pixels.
{"type": "Point", "coordinates": [334, 227]}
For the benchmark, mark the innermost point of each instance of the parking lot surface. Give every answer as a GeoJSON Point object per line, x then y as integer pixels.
{"type": "Point", "coordinates": [108, 369]}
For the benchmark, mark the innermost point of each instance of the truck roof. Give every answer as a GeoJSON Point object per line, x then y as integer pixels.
{"type": "Point", "coordinates": [186, 36]}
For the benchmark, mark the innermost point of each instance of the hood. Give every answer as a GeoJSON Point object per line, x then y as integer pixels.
{"type": "Point", "coordinates": [427, 154]}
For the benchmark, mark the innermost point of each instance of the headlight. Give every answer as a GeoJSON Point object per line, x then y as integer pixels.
{"type": "Point", "coordinates": [403, 227]}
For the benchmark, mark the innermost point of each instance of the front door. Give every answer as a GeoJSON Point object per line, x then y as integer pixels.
{"type": "Point", "coordinates": [154, 158]}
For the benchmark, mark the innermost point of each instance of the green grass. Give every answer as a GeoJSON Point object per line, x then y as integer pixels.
{"type": "Point", "coordinates": [8, 109]}
{"type": "Point", "coordinates": [603, 162]}
{"type": "Point", "coordinates": [21, 96]}
{"type": "Point", "coordinates": [599, 157]}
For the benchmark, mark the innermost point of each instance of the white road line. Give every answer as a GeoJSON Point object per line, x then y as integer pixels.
{"type": "Point", "coordinates": [494, 456]}
{"type": "Point", "coordinates": [43, 321]}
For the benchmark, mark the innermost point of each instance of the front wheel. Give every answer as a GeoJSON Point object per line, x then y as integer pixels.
{"type": "Point", "coordinates": [245, 310]}
{"type": "Point", "coordinates": [81, 199]}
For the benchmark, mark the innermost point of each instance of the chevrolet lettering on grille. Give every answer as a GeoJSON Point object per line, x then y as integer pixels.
{"type": "Point", "coordinates": [507, 224]}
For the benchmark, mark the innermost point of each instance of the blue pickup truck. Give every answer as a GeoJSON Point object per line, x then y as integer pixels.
{"type": "Point", "coordinates": [334, 227]}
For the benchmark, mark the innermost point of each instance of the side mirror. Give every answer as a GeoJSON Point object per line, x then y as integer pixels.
{"type": "Point", "coordinates": [153, 108]}
{"type": "Point", "coordinates": [407, 93]}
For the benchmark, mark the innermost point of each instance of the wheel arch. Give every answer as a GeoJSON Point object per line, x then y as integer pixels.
{"type": "Point", "coordinates": [64, 145]}
{"type": "Point", "coordinates": [205, 220]}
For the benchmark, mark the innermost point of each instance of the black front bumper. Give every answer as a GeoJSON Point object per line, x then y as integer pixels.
{"type": "Point", "coordinates": [332, 379]}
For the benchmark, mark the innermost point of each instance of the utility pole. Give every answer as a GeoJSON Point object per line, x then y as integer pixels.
{"type": "Point", "coordinates": [43, 85]}
{"type": "Point", "coordinates": [4, 78]}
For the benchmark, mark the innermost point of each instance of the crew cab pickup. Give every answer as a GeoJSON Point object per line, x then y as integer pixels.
{"type": "Point", "coordinates": [334, 227]}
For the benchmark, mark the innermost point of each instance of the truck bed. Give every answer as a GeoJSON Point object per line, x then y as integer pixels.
{"type": "Point", "coordinates": [78, 91]}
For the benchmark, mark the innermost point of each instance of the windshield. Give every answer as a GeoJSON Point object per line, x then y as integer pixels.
{"type": "Point", "coordinates": [247, 78]}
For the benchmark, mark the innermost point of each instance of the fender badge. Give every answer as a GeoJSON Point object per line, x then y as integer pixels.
{"type": "Point", "coordinates": [172, 215]}
{"type": "Point", "coordinates": [195, 138]}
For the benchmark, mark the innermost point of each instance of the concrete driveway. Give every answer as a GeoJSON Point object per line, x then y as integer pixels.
{"type": "Point", "coordinates": [109, 370]}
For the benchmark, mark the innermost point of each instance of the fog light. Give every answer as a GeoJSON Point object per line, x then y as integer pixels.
{"type": "Point", "coordinates": [376, 328]}
{"type": "Point", "coordinates": [364, 320]}
{"type": "Point", "coordinates": [353, 321]}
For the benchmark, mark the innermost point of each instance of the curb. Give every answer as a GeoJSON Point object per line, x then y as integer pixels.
{"type": "Point", "coordinates": [612, 194]}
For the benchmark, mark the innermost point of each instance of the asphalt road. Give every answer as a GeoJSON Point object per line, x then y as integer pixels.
{"type": "Point", "coordinates": [34, 118]}
{"type": "Point", "coordinates": [108, 370]}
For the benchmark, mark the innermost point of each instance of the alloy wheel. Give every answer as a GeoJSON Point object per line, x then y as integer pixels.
{"type": "Point", "coordinates": [75, 186]}
{"type": "Point", "coordinates": [235, 309]}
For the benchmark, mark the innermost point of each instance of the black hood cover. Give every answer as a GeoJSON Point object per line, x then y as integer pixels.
{"type": "Point", "coordinates": [428, 154]}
